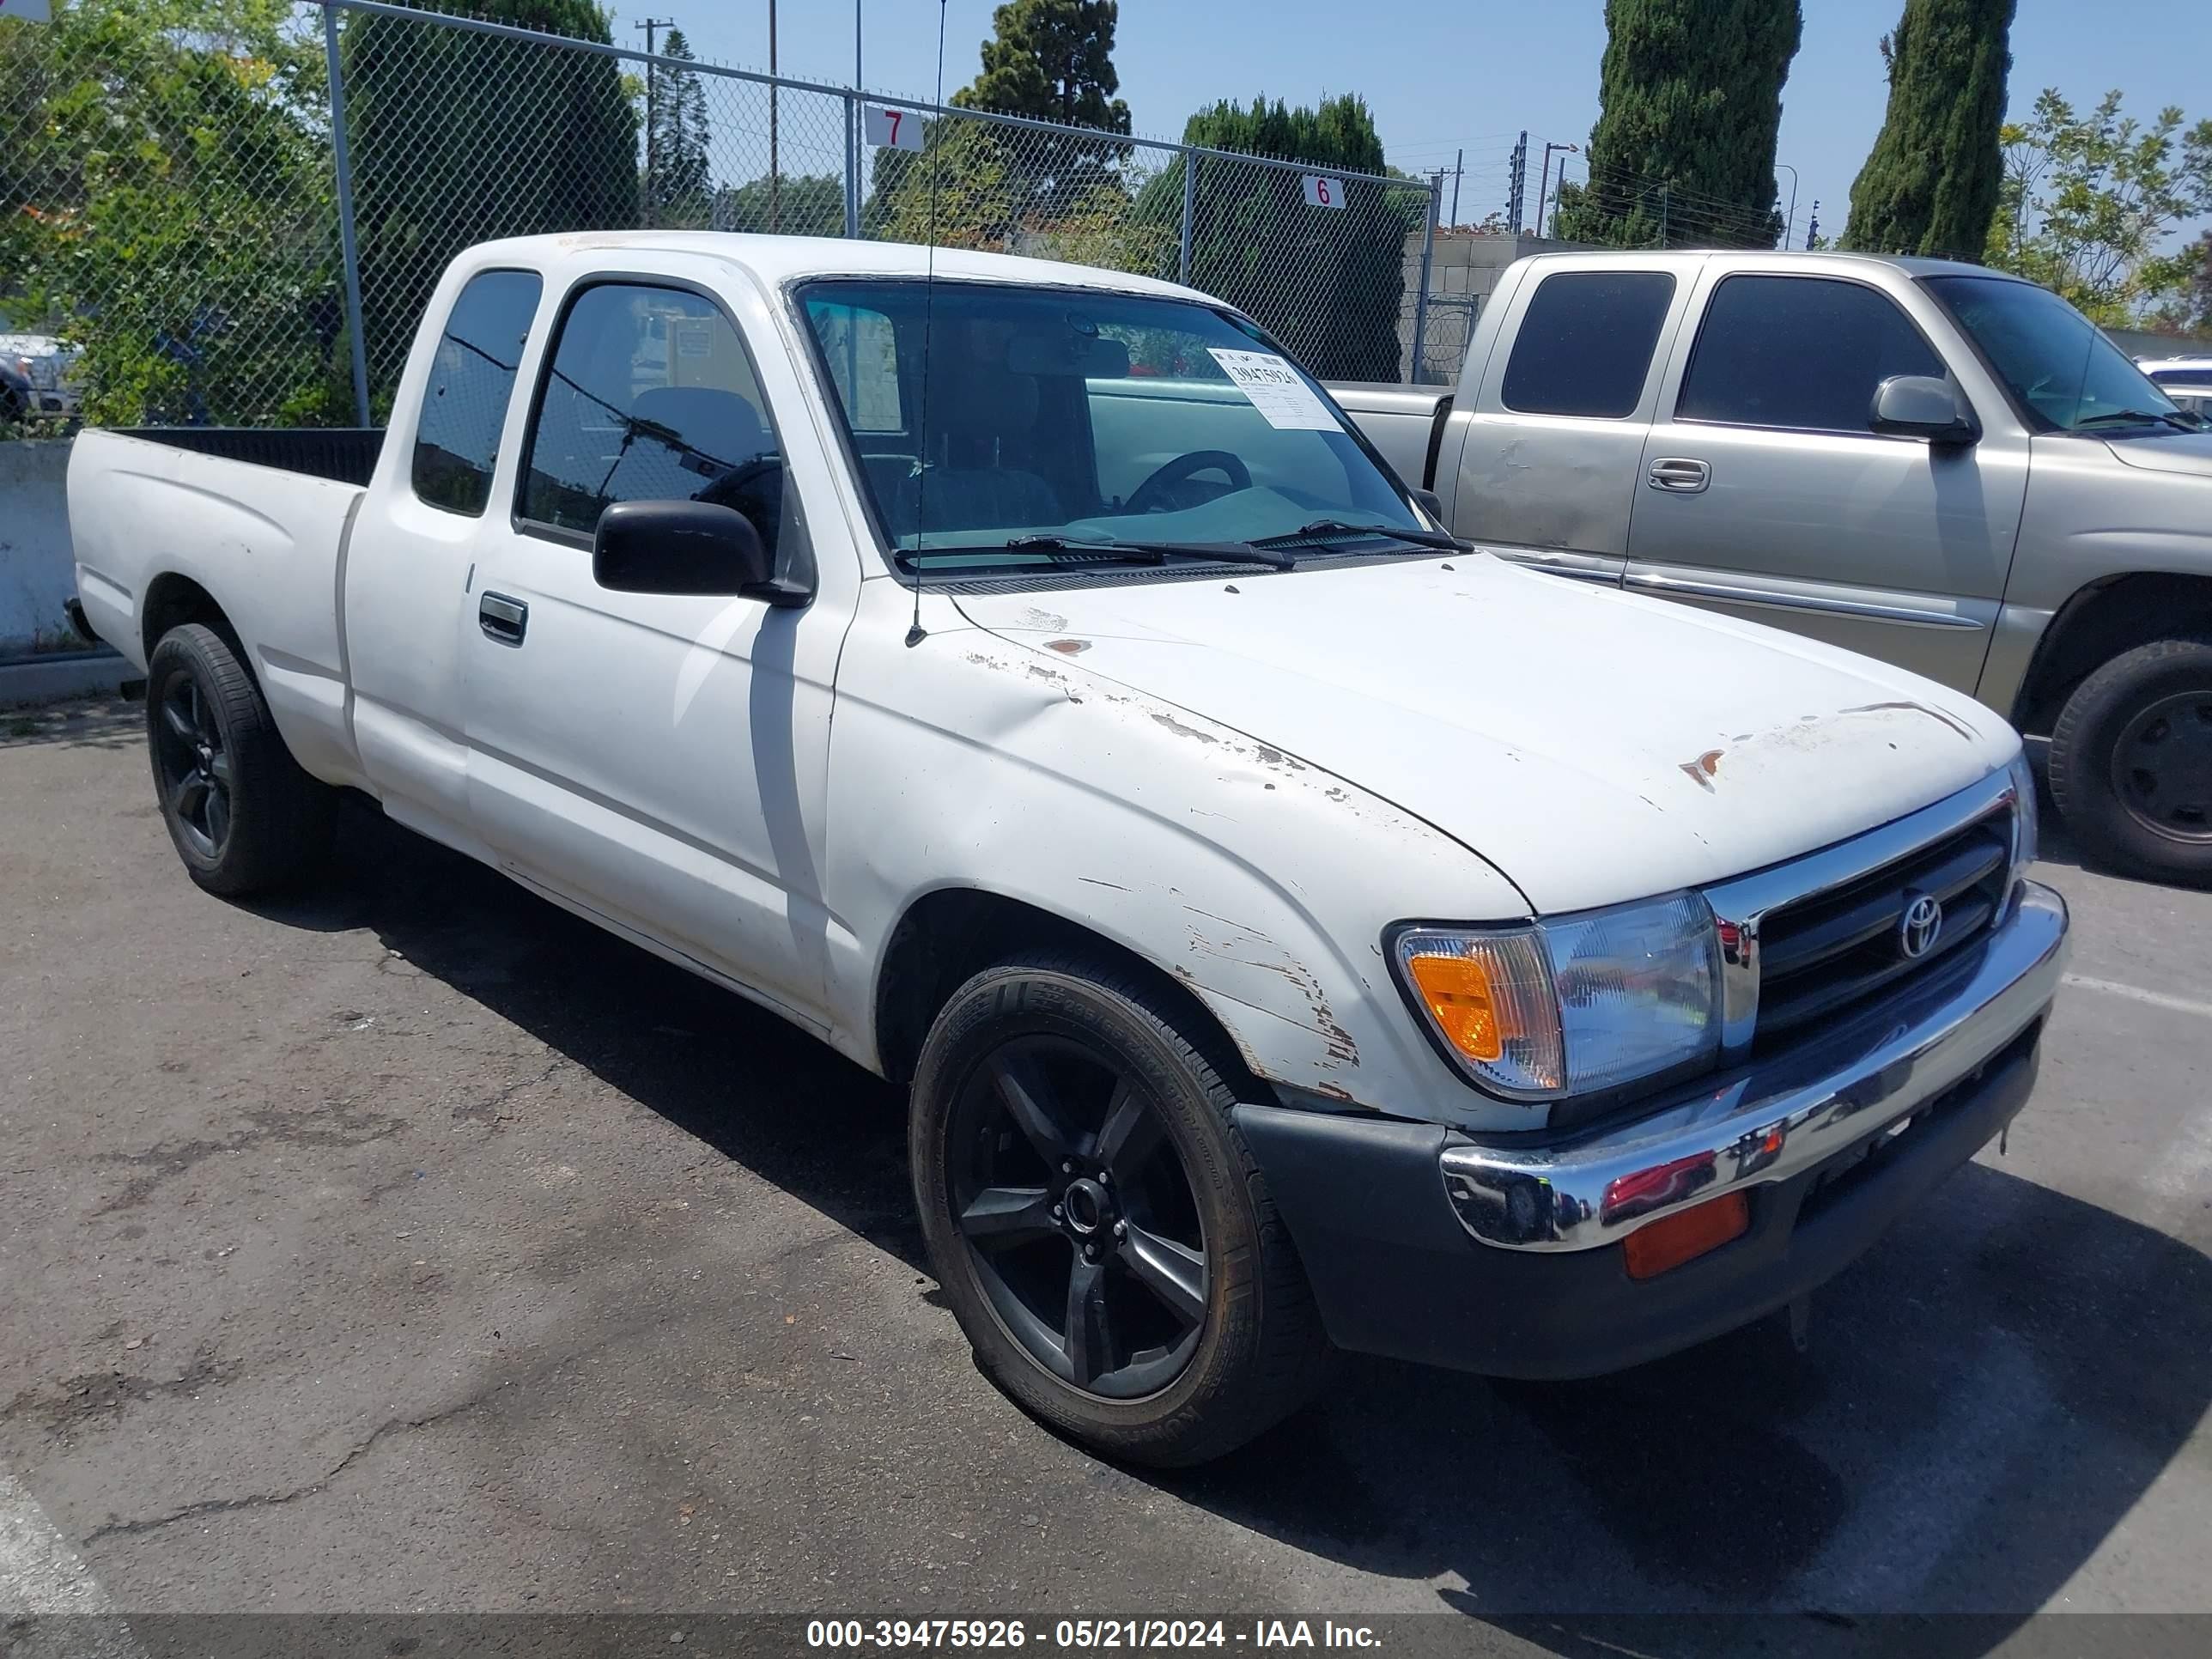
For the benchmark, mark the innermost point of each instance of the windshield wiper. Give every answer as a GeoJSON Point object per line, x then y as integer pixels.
{"type": "Point", "coordinates": [2173, 417]}
{"type": "Point", "coordinates": [1434, 539]}
{"type": "Point", "coordinates": [1127, 552]}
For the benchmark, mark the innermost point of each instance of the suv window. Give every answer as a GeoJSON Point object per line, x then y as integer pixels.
{"type": "Point", "coordinates": [1585, 342]}
{"type": "Point", "coordinates": [471, 381]}
{"type": "Point", "coordinates": [1798, 351]}
{"type": "Point", "coordinates": [651, 397]}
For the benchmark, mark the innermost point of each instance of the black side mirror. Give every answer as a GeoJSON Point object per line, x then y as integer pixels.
{"type": "Point", "coordinates": [685, 547]}
{"type": "Point", "coordinates": [1431, 503]}
{"type": "Point", "coordinates": [1924, 406]}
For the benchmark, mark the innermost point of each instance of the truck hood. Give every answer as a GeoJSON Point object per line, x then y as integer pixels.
{"type": "Point", "coordinates": [2167, 451]}
{"type": "Point", "coordinates": [1593, 746]}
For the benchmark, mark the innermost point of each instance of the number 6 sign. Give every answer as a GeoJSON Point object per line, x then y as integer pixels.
{"type": "Point", "coordinates": [1322, 191]}
{"type": "Point", "coordinates": [891, 129]}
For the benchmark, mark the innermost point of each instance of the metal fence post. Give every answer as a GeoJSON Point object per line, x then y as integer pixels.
{"type": "Point", "coordinates": [1189, 209]}
{"type": "Point", "coordinates": [347, 249]}
{"type": "Point", "coordinates": [1421, 303]}
{"type": "Point", "coordinates": [852, 166]}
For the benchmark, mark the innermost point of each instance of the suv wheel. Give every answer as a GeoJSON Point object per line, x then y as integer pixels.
{"type": "Point", "coordinates": [2131, 762]}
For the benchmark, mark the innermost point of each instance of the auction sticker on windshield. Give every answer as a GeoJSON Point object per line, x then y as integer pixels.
{"type": "Point", "coordinates": [1276, 390]}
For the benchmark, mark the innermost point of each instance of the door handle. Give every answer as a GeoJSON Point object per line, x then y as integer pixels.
{"type": "Point", "coordinates": [502, 618]}
{"type": "Point", "coordinates": [1681, 474]}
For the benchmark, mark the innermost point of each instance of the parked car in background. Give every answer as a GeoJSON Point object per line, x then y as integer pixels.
{"type": "Point", "coordinates": [18, 396]}
{"type": "Point", "coordinates": [46, 364]}
{"type": "Point", "coordinates": [1289, 926]}
{"type": "Point", "coordinates": [2187, 380]}
{"type": "Point", "coordinates": [1935, 463]}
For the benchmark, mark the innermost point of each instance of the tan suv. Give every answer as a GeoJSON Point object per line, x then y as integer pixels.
{"type": "Point", "coordinates": [1931, 463]}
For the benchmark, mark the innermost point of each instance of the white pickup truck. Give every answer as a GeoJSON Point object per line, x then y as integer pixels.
{"type": "Point", "coordinates": [1295, 929]}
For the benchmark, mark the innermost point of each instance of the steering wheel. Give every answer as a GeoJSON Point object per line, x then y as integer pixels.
{"type": "Point", "coordinates": [1147, 496]}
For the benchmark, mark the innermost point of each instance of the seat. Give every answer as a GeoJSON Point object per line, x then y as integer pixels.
{"type": "Point", "coordinates": [718, 430]}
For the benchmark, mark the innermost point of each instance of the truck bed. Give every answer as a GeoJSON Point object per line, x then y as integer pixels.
{"type": "Point", "coordinates": [260, 517]}
{"type": "Point", "coordinates": [1404, 422]}
{"type": "Point", "coordinates": [341, 454]}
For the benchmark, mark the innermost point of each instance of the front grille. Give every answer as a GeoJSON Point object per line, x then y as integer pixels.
{"type": "Point", "coordinates": [1820, 956]}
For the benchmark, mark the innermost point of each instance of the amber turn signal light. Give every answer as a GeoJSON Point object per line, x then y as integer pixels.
{"type": "Point", "coordinates": [1457, 991]}
{"type": "Point", "coordinates": [1686, 1234]}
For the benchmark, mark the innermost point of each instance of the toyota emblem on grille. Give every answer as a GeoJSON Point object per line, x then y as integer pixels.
{"type": "Point", "coordinates": [1917, 928]}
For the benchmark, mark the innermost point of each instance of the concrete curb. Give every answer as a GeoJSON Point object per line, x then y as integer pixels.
{"type": "Point", "coordinates": [73, 674]}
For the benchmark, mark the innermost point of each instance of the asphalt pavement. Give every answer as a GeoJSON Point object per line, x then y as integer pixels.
{"type": "Point", "coordinates": [411, 1245]}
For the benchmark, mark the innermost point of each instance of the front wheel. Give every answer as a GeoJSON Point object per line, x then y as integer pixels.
{"type": "Point", "coordinates": [1100, 1229]}
{"type": "Point", "coordinates": [2131, 762]}
{"type": "Point", "coordinates": [242, 814]}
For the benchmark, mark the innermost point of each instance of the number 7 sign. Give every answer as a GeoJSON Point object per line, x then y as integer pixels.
{"type": "Point", "coordinates": [890, 129]}
{"type": "Point", "coordinates": [1321, 192]}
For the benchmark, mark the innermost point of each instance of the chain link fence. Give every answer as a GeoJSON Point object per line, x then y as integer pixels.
{"type": "Point", "coordinates": [231, 212]}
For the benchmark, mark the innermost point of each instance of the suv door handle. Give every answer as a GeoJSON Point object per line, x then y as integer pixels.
{"type": "Point", "coordinates": [1681, 474]}
{"type": "Point", "coordinates": [502, 618]}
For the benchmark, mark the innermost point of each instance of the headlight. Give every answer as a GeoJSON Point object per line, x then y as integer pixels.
{"type": "Point", "coordinates": [1572, 1005]}
{"type": "Point", "coordinates": [2024, 847]}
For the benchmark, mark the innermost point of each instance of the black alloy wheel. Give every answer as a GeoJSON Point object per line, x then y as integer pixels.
{"type": "Point", "coordinates": [193, 765]}
{"type": "Point", "coordinates": [1081, 1220]}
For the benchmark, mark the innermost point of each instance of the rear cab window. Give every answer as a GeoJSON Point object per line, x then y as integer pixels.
{"type": "Point", "coordinates": [471, 382]}
{"type": "Point", "coordinates": [1584, 343]}
{"type": "Point", "coordinates": [1805, 353]}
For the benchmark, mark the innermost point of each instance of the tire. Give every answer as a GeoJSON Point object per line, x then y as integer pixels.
{"type": "Point", "coordinates": [1254, 1355]}
{"type": "Point", "coordinates": [243, 816]}
{"type": "Point", "coordinates": [2131, 762]}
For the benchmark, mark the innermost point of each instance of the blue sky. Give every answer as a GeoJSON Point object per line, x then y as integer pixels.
{"type": "Point", "coordinates": [1443, 75]}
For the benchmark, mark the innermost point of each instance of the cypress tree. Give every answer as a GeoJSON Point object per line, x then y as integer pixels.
{"type": "Point", "coordinates": [1929, 185]}
{"type": "Point", "coordinates": [1689, 103]}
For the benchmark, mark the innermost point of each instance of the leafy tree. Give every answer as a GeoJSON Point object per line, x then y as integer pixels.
{"type": "Point", "coordinates": [166, 203]}
{"type": "Point", "coordinates": [2190, 311]}
{"type": "Point", "coordinates": [681, 183]}
{"type": "Point", "coordinates": [1053, 60]}
{"type": "Point", "coordinates": [1930, 184]}
{"type": "Point", "coordinates": [1689, 103]}
{"type": "Point", "coordinates": [810, 205]}
{"type": "Point", "coordinates": [2087, 202]}
{"type": "Point", "coordinates": [1326, 282]}
{"type": "Point", "coordinates": [458, 138]}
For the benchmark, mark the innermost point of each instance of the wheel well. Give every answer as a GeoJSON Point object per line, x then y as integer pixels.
{"type": "Point", "coordinates": [172, 601]}
{"type": "Point", "coordinates": [948, 937]}
{"type": "Point", "coordinates": [2096, 625]}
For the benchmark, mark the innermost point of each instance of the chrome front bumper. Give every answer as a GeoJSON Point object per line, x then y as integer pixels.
{"type": "Point", "coordinates": [1775, 1119]}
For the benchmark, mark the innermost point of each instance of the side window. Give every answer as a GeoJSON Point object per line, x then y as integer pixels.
{"type": "Point", "coordinates": [471, 381]}
{"type": "Point", "coordinates": [650, 397]}
{"type": "Point", "coordinates": [1585, 342]}
{"type": "Point", "coordinates": [1798, 351]}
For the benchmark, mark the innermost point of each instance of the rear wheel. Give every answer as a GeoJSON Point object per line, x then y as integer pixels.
{"type": "Point", "coordinates": [243, 816]}
{"type": "Point", "coordinates": [2131, 762]}
{"type": "Point", "coordinates": [1100, 1231]}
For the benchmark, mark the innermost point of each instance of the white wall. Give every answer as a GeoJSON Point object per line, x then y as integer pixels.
{"type": "Point", "coordinates": [38, 571]}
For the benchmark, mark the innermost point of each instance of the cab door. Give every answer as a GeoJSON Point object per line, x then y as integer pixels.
{"type": "Point", "coordinates": [1764, 494]}
{"type": "Point", "coordinates": [1548, 454]}
{"type": "Point", "coordinates": [659, 760]}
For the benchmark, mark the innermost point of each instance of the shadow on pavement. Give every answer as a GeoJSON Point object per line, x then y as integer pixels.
{"type": "Point", "coordinates": [1988, 1393]}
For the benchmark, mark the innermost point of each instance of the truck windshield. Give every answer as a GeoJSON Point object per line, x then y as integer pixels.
{"type": "Point", "coordinates": [2058, 363]}
{"type": "Point", "coordinates": [1000, 425]}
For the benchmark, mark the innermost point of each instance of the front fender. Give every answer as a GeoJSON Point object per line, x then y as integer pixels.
{"type": "Point", "coordinates": [1262, 884]}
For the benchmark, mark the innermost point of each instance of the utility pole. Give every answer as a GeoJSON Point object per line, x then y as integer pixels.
{"type": "Point", "coordinates": [1459, 164]}
{"type": "Point", "coordinates": [1665, 185]}
{"type": "Point", "coordinates": [1812, 224]}
{"type": "Point", "coordinates": [1517, 175]}
{"type": "Point", "coordinates": [774, 168]}
{"type": "Point", "coordinates": [1544, 181]}
{"type": "Point", "coordinates": [650, 25]}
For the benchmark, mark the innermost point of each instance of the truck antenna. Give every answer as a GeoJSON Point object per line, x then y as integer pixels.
{"type": "Point", "coordinates": [915, 634]}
